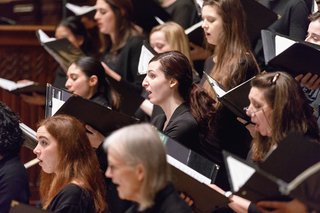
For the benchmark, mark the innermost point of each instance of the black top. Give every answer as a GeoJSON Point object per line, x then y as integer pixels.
{"type": "Point", "coordinates": [125, 62]}
{"type": "Point", "coordinates": [14, 182]}
{"type": "Point", "coordinates": [72, 199]}
{"type": "Point", "coordinates": [230, 134]}
{"type": "Point", "coordinates": [184, 13]}
{"type": "Point", "coordinates": [182, 127]}
{"type": "Point", "coordinates": [166, 201]}
{"type": "Point", "coordinates": [293, 22]}
{"type": "Point", "coordinates": [100, 99]}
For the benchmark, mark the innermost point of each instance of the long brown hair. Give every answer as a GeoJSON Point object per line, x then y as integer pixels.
{"type": "Point", "coordinates": [77, 161]}
{"type": "Point", "coordinates": [233, 53]}
{"type": "Point", "coordinates": [291, 111]}
{"type": "Point", "coordinates": [177, 66]}
{"type": "Point", "coordinates": [124, 27]}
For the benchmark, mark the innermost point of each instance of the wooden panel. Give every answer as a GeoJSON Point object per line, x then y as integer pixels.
{"type": "Point", "coordinates": [22, 57]}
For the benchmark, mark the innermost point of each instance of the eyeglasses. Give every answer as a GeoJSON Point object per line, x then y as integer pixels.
{"type": "Point", "coordinates": [252, 113]}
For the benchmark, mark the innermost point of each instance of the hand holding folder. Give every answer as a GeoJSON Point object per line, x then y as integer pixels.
{"type": "Point", "coordinates": [292, 170]}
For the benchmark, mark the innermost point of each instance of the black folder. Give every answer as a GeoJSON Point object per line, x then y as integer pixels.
{"type": "Point", "coordinates": [235, 99]}
{"type": "Point", "coordinates": [17, 207]}
{"type": "Point", "coordinates": [286, 171]}
{"type": "Point", "coordinates": [258, 17]}
{"type": "Point", "coordinates": [299, 58]}
{"type": "Point", "coordinates": [101, 118]}
{"type": "Point", "coordinates": [145, 12]}
{"type": "Point", "coordinates": [130, 100]}
{"type": "Point", "coordinates": [62, 50]}
{"type": "Point", "coordinates": [205, 198]}
{"type": "Point", "coordinates": [190, 158]}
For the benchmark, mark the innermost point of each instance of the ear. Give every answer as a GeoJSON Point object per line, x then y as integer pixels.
{"type": "Point", "coordinates": [93, 80]}
{"type": "Point", "coordinates": [140, 171]}
{"type": "Point", "coordinates": [80, 40]}
{"type": "Point", "coordinates": [123, 12]}
{"type": "Point", "coordinates": [173, 82]}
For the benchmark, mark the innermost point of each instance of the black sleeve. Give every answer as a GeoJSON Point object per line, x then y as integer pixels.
{"type": "Point", "coordinates": [253, 208]}
{"type": "Point", "coordinates": [298, 24]}
{"type": "Point", "coordinates": [127, 66]}
{"type": "Point", "coordinates": [12, 189]}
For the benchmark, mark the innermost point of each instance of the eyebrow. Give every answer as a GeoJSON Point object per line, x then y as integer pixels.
{"type": "Point", "coordinates": [316, 35]}
{"type": "Point", "coordinates": [43, 137]}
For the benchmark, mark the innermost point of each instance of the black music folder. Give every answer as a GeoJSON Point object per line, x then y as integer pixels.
{"type": "Point", "coordinates": [235, 99]}
{"type": "Point", "coordinates": [101, 118]}
{"type": "Point", "coordinates": [148, 14]}
{"type": "Point", "coordinates": [258, 17]}
{"type": "Point", "coordinates": [62, 50]}
{"type": "Point", "coordinates": [191, 173]}
{"type": "Point", "coordinates": [17, 207]}
{"type": "Point", "coordinates": [289, 55]}
{"type": "Point", "coordinates": [130, 100]}
{"type": "Point", "coordinates": [288, 172]}
{"type": "Point", "coordinates": [22, 88]}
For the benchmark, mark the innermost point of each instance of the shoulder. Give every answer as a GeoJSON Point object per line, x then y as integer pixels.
{"type": "Point", "coordinates": [72, 198]}
{"type": "Point", "coordinates": [13, 169]}
{"type": "Point", "coordinates": [174, 203]}
{"type": "Point", "coordinates": [135, 41]}
{"type": "Point", "coordinates": [183, 120]}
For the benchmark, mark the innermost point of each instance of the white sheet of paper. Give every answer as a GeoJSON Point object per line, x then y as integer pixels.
{"type": "Point", "coordinates": [145, 57]}
{"type": "Point", "coordinates": [44, 37]}
{"type": "Point", "coordinates": [191, 172]}
{"type": "Point", "coordinates": [239, 172]}
{"type": "Point", "coordinates": [282, 43]}
{"type": "Point", "coordinates": [56, 104]}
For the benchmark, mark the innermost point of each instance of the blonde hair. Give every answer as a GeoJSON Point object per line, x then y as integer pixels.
{"type": "Point", "coordinates": [141, 144]}
{"type": "Point", "coordinates": [176, 38]}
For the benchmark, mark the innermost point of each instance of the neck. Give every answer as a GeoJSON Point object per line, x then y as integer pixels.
{"type": "Point", "coordinates": [170, 106]}
{"type": "Point", "coordinates": [167, 3]}
{"type": "Point", "coordinates": [91, 93]}
{"type": "Point", "coordinates": [112, 37]}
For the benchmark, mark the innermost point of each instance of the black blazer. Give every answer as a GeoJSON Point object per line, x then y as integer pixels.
{"type": "Point", "coordinates": [182, 127]}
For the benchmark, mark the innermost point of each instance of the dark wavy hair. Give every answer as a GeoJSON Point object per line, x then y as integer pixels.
{"type": "Point", "coordinates": [91, 66]}
{"type": "Point", "coordinates": [79, 31]}
{"type": "Point", "coordinates": [11, 136]}
{"type": "Point", "coordinates": [291, 111]}
{"type": "Point", "coordinates": [177, 66]}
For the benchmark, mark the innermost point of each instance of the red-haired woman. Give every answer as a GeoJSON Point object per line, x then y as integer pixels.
{"type": "Point", "coordinates": [70, 180]}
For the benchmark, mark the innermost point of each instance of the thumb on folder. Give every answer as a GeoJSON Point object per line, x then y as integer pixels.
{"type": "Point", "coordinates": [95, 137]}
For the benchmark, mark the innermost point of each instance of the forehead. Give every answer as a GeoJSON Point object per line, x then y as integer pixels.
{"type": "Point", "coordinates": [257, 94]}
{"type": "Point", "coordinates": [42, 131]}
{"type": "Point", "coordinates": [155, 66]}
{"type": "Point", "coordinates": [314, 27]}
{"type": "Point", "coordinates": [114, 155]}
{"type": "Point", "coordinates": [62, 31]}
{"type": "Point", "coordinates": [73, 69]}
{"type": "Point", "coordinates": [210, 11]}
{"type": "Point", "coordinates": [103, 4]}
{"type": "Point", "coordinates": [158, 35]}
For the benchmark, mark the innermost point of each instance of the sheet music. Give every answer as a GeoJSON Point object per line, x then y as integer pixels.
{"type": "Point", "coordinates": [56, 104]}
{"type": "Point", "coordinates": [282, 43]}
{"type": "Point", "coordinates": [145, 57]}
{"type": "Point", "coordinates": [196, 175]}
{"type": "Point", "coordinates": [239, 172]}
{"type": "Point", "coordinates": [44, 37]}
{"type": "Point", "coordinates": [159, 20]}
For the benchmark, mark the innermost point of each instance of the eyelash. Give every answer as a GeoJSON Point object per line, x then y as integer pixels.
{"type": "Point", "coordinates": [43, 143]}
